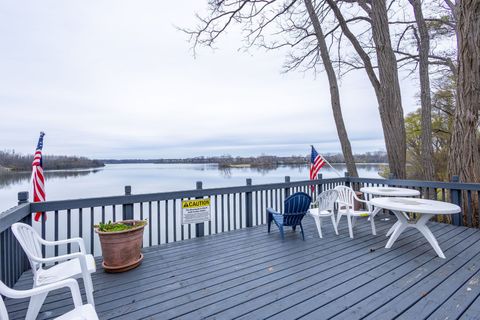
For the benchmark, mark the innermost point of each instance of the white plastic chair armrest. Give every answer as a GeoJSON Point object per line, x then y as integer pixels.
{"type": "Point", "coordinates": [79, 241]}
{"type": "Point", "coordinates": [70, 283]}
{"type": "Point", "coordinates": [69, 256]}
{"type": "Point", "coordinates": [358, 199]}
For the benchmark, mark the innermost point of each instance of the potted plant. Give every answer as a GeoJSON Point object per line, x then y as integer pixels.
{"type": "Point", "coordinates": [121, 244]}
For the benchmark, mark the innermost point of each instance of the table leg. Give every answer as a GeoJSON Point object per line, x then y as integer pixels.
{"type": "Point", "coordinates": [400, 226]}
{"type": "Point", "coordinates": [374, 212]}
{"type": "Point", "coordinates": [427, 233]}
{"type": "Point", "coordinates": [395, 225]}
{"type": "Point", "coordinates": [420, 225]}
{"type": "Point", "coordinates": [392, 228]}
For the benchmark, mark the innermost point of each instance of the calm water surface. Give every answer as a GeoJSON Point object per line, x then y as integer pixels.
{"type": "Point", "coordinates": [147, 178]}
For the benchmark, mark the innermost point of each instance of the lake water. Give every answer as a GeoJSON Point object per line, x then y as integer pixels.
{"type": "Point", "coordinates": [148, 178]}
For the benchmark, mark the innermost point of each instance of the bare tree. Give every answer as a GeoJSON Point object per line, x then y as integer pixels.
{"type": "Point", "coordinates": [464, 154]}
{"type": "Point", "coordinates": [294, 24]}
{"type": "Point", "coordinates": [386, 85]}
{"type": "Point", "coordinates": [423, 43]}
{"type": "Point", "coordinates": [334, 93]}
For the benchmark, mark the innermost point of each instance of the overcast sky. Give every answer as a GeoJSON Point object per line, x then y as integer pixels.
{"type": "Point", "coordinates": [116, 79]}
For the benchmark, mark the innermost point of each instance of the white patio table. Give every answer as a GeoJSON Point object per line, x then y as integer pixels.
{"type": "Point", "coordinates": [388, 192]}
{"type": "Point", "coordinates": [423, 207]}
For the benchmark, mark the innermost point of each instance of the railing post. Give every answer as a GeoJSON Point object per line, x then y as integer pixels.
{"type": "Point", "coordinates": [347, 179]}
{"type": "Point", "coordinates": [320, 184]}
{"type": "Point", "coordinates": [456, 197]}
{"type": "Point", "coordinates": [25, 263]}
{"type": "Point", "coordinates": [127, 212]}
{"type": "Point", "coordinates": [22, 197]}
{"type": "Point", "coordinates": [287, 189]}
{"type": "Point", "coordinates": [249, 206]}
{"type": "Point", "coordinates": [199, 227]}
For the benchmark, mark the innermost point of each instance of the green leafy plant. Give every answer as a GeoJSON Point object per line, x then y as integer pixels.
{"type": "Point", "coordinates": [117, 226]}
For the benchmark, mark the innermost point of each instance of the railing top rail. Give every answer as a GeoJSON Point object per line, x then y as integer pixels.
{"type": "Point", "coordinates": [136, 198]}
{"type": "Point", "coordinates": [15, 214]}
{"type": "Point", "coordinates": [419, 183]}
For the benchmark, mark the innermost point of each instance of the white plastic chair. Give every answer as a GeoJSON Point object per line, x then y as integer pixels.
{"type": "Point", "coordinates": [325, 208]}
{"type": "Point", "coordinates": [346, 206]}
{"type": "Point", "coordinates": [73, 265]}
{"type": "Point", "coordinates": [80, 312]}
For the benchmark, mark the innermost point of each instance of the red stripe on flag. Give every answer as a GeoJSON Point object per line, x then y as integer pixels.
{"type": "Point", "coordinates": [38, 179]}
{"type": "Point", "coordinates": [315, 167]}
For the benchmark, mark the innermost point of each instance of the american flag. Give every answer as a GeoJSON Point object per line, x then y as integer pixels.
{"type": "Point", "coordinates": [38, 178]}
{"type": "Point", "coordinates": [316, 163]}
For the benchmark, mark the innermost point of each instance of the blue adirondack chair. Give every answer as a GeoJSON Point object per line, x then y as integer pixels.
{"type": "Point", "coordinates": [295, 208]}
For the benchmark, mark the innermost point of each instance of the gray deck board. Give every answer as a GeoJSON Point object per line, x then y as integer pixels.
{"type": "Point", "coordinates": [362, 279]}
{"type": "Point", "coordinates": [250, 274]}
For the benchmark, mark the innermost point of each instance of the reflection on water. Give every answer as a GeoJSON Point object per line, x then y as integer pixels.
{"type": "Point", "coordinates": [368, 169]}
{"type": "Point", "coordinates": [226, 172]}
{"type": "Point", "coordinates": [8, 178]}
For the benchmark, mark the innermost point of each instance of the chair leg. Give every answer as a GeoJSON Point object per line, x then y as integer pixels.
{"type": "Point", "coordinates": [294, 227]}
{"type": "Point", "coordinates": [87, 281]}
{"type": "Point", "coordinates": [269, 221]}
{"type": "Point", "coordinates": [350, 227]}
{"type": "Point", "coordinates": [372, 222]}
{"type": "Point", "coordinates": [334, 224]}
{"type": "Point", "coordinates": [339, 216]}
{"type": "Point", "coordinates": [318, 222]}
{"type": "Point", "coordinates": [281, 232]}
{"type": "Point", "coordinates": [301, 228]}
{"type": "Point", "coordinates": [35, 305]}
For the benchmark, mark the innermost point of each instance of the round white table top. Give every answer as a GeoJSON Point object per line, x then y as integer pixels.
{"type": "Point", "coordinates": [390, 191]}
{"type": "Point", "coordinates": [416, 205]}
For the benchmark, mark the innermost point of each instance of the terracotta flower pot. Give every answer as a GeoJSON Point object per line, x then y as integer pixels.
{"type": "Point", "coordinates": [121, 250]}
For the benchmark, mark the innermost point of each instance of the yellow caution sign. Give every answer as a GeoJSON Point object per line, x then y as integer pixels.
{"type": "Point", "coordinates": [195, 211]}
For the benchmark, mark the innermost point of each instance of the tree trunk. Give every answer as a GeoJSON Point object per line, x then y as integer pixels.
{"type": "Point", "coordinates": [387, 87]}
{"type": "Point", "coordinates": [391, 111]}
{"type": "Point", "coordinates": [423, 40]}
{"type": "Point", "coordinates": [464, 155]}
{"type": "Point", "coordinates": [334, 93]}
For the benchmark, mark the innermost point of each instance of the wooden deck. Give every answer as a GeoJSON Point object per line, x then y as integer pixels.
{"type": "Point", "coordinates": [249, 274]}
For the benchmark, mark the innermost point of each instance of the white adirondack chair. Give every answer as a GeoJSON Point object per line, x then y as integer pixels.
{"type": "Point", "coordinates": [73, 265]}
{"type": "Point", "coordinates": [326, 203]}
{"type": "Point", "coordinates": [346, 207]}
{"type": "Point", "coordinates": [80, 312]}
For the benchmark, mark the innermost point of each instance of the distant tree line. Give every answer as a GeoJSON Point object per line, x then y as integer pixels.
{"type": "Point", "coordinates": [260, 161]}
{"type": "Point", "coordinates": [23, 162]}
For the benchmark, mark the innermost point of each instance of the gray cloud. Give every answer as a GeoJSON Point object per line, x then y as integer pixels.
{"type": "Point", "coordinates": [116, 79]}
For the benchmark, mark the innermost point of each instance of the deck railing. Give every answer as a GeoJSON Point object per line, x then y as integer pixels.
{"type": "Point", "coordinates": [231, 207]}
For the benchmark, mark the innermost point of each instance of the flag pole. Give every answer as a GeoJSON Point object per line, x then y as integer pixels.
{"type": "Point", "coordinates": [336, 171]}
